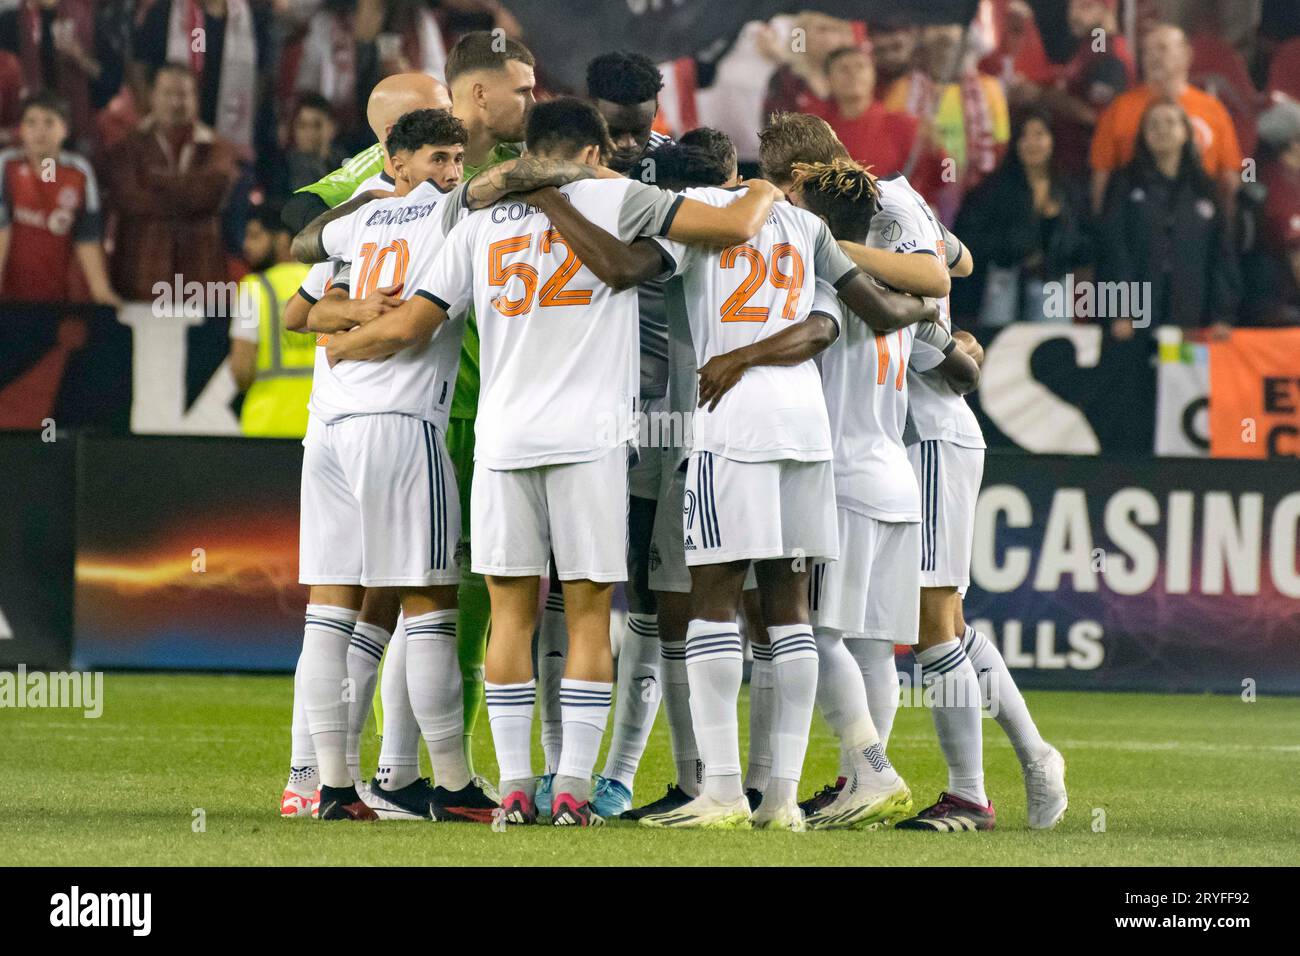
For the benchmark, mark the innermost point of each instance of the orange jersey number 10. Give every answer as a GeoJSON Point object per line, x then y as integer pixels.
{"type": "Point", "coordinates": [553, 291]}
{"type": "Point", "coordinates": [736, 307]}
{"type": "Point", "coordinates": [372, 265]}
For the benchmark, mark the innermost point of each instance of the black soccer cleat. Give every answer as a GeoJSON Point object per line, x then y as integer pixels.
{"type": "Point", "coordinates": [466, 805]}
{"type": "Point", "coordinates": [342, 803]}
{"type": "Point", "coordinates": [951, 814]}
{"type": "Point", "coordinates": [675, 797]}
{"type": "Point", "coordinates": [567, 811]}
{"type": "Point", "coordinates": [823, 798]}
{"type": "Point", "coordinates": [411, 802]}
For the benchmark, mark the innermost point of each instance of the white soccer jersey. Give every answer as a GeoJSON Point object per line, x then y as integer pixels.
{"type": "Point", "coordinates": [393, 242]}
{"type": "Point", "coordinates": [557, 347]}
{"type": "Point", "coordinates": [743, 294]}
{"type": "Point", "coordinates": [865, 379]}
{"type": "Point", "coordinates": [905, 224]}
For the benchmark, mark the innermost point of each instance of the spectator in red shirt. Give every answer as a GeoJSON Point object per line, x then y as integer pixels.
{"type": "Point", "coordinates": [799, 83]}
{"type": "Point", "coordinates": [1279, 132]}
{"type": "Point", "coordinates": [49, 213]}
{"type": "Point", "coordinates": [886, 142]}
{"type": "Point", "coordinates": [61, 47]}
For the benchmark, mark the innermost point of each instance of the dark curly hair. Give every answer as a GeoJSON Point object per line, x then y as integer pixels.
{"type": "Point", "coordinates": [623, 78]}
{"type": "Point", "coordinates": [420, 128]}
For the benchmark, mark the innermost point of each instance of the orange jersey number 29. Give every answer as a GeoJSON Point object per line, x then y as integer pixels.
{"type": "Point", "coordinates": [736, 307]}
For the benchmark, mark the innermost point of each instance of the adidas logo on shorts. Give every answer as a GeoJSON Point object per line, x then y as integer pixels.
{"type": "Point", "coordinates": [690, 543]}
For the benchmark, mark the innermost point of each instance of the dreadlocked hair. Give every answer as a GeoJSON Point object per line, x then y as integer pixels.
{"type": "Point", "coordinates": [841, 192]}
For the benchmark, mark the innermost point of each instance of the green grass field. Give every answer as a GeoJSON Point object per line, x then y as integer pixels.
{"type": "Point", "coordinates": [1154, 780]}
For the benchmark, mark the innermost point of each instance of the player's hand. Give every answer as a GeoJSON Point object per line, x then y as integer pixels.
{"type": "Point", "coordinates": [719, 376]}
{"type": "Point", "coordinates": [377, 303]}
{"type": "Point", "coordinates": [332, 348]}
{"type": "Point", "coordinates": [966, 342]}
{"type": "Point", "coordinates": [763, 186]}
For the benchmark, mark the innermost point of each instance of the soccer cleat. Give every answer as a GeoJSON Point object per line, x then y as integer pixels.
{"type": "Point", "coordinates": [1045, 795]}
{"type": "Point", "coordinates": [543, 799]}
{"type": "Point", "coordinates": [780, 816]}
{"type": "Point", "coordinates": [610, 798]}
{"type": "Point", "coordinates": [566, 811]}
{"type": "Point", "coordinates": [299, 803]}
{"type": "Point", "coordinates": [951, 815]}
{"type": "Point", "coordinates": [674, 798]}
{"type": "Point", "coordinates": [703, 813]}
{"type": "Point", "coordinates": [342, 803]}
{"type": "Point", "coordinates": [518, 808]}
{"type": "Point", "coordinates": [411, 802]}
{"type": "Point", "coordinates": [823, 798]}
{"type": "Point", "coordinates": [755, 798]}
{"type": "Point", "coordinates": [861, 809]}
{"type": "Point", "coordinates": [466, 805]}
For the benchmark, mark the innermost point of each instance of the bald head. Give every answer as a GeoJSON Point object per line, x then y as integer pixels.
{"type": "Point", "coordinates": [395, 96]}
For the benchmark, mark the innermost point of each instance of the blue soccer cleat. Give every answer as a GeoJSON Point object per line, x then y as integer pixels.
{"type": "Point", "coordinates": [542, 799]}
{"type": "Point", "coordinates": [609, 798]}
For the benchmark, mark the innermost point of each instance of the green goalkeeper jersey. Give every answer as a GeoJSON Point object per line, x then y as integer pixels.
{"type": "Point", "coordinates": [339, 186]}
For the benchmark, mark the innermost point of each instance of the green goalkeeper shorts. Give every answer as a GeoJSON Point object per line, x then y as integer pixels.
{"type": "Point", "coordinates": [460, 446]}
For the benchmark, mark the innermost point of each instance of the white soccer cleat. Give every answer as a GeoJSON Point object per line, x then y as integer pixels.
{"type": "Point", "coordinates": [702, 813]}
{"type": "Point", "coordinates": [860, 808]}
{"type": "Point", "coordinates": [1045, 795]}
{"type": "Point", "coordinates": [779, 816]}
{"type": "Point", "coordinates": [299, 803]}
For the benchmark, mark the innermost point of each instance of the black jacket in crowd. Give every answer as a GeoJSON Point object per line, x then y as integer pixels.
{"type": "Point", "coordinates": [1173, 234]}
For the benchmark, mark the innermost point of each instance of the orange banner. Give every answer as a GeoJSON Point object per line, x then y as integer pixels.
{"type": "Point", "coordinates": [1255, 394]}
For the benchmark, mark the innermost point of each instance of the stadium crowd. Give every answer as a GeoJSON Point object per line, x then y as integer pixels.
{"type": "Point", "coordinates": [1050, 145]}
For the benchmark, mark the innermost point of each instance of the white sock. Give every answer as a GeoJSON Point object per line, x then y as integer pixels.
{"type": "Point", "coordinates": [952, 693]}
{"type": "Point", "coordinates": [1003, 698]}
{"type": "Point", "coordinates": [365, 651]}
{"type": "Point", "coordinates": [875, 661]}
{"type": "Point", "coordinates": [762, 693]}
{"type": "Point", "coordinates": [677, 703]}
{"type": "Point", "coordinates": [552, 654]}
{"type": "Point", "coordinates": [715, 667]}
{"type": "Point", "coordinates": [585, 705]}
{"type": "Point", "coordinates": [843, 702]}
{"type": "Point", "coordinates": [510, 715]}
{"type": "Point", "coordinates": [794, 672]}
{"type": "Point", "coordinates": [301, 754]}
{"type": "Point", "coordinates": [638, 697]}
{"type": "Point", "coordinates": [399, 749]}
{"type": "Point", "coordinates": [434, 685]}
{"type": "Point", "coordinates": [324, 663]}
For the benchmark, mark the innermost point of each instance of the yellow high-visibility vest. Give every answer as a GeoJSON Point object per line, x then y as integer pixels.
{"type": "Point", "coordinates": [276, 403]}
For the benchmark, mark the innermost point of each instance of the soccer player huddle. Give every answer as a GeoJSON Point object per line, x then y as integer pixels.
{"type": "Point", "coordinates": [500, 325]}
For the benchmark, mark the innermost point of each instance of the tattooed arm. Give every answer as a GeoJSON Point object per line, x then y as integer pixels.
{"type": "Point", "coordinates": [308, 245]}
{"type": "Point", "coordinates": [523, 175]}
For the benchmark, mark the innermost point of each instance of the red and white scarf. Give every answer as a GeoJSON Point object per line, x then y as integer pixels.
{"type": "Point", "coordinates": [238, 80]}
{"type": "Point", "coordinates": [977, 118]}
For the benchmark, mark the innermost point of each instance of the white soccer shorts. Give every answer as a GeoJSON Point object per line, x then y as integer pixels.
{"type": "Point", "coordinates": [379, 504]}
{"type": "Point", "coordinates": [668, 571]}
{"type": "Point", "coordinates": [949, 477]}
{"type": "Point", "coordinates": [575, 511]}
{"type": "Point", "coordinates": [873, 590]}
{"type": "Point", "coordinates": [758, 510]}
